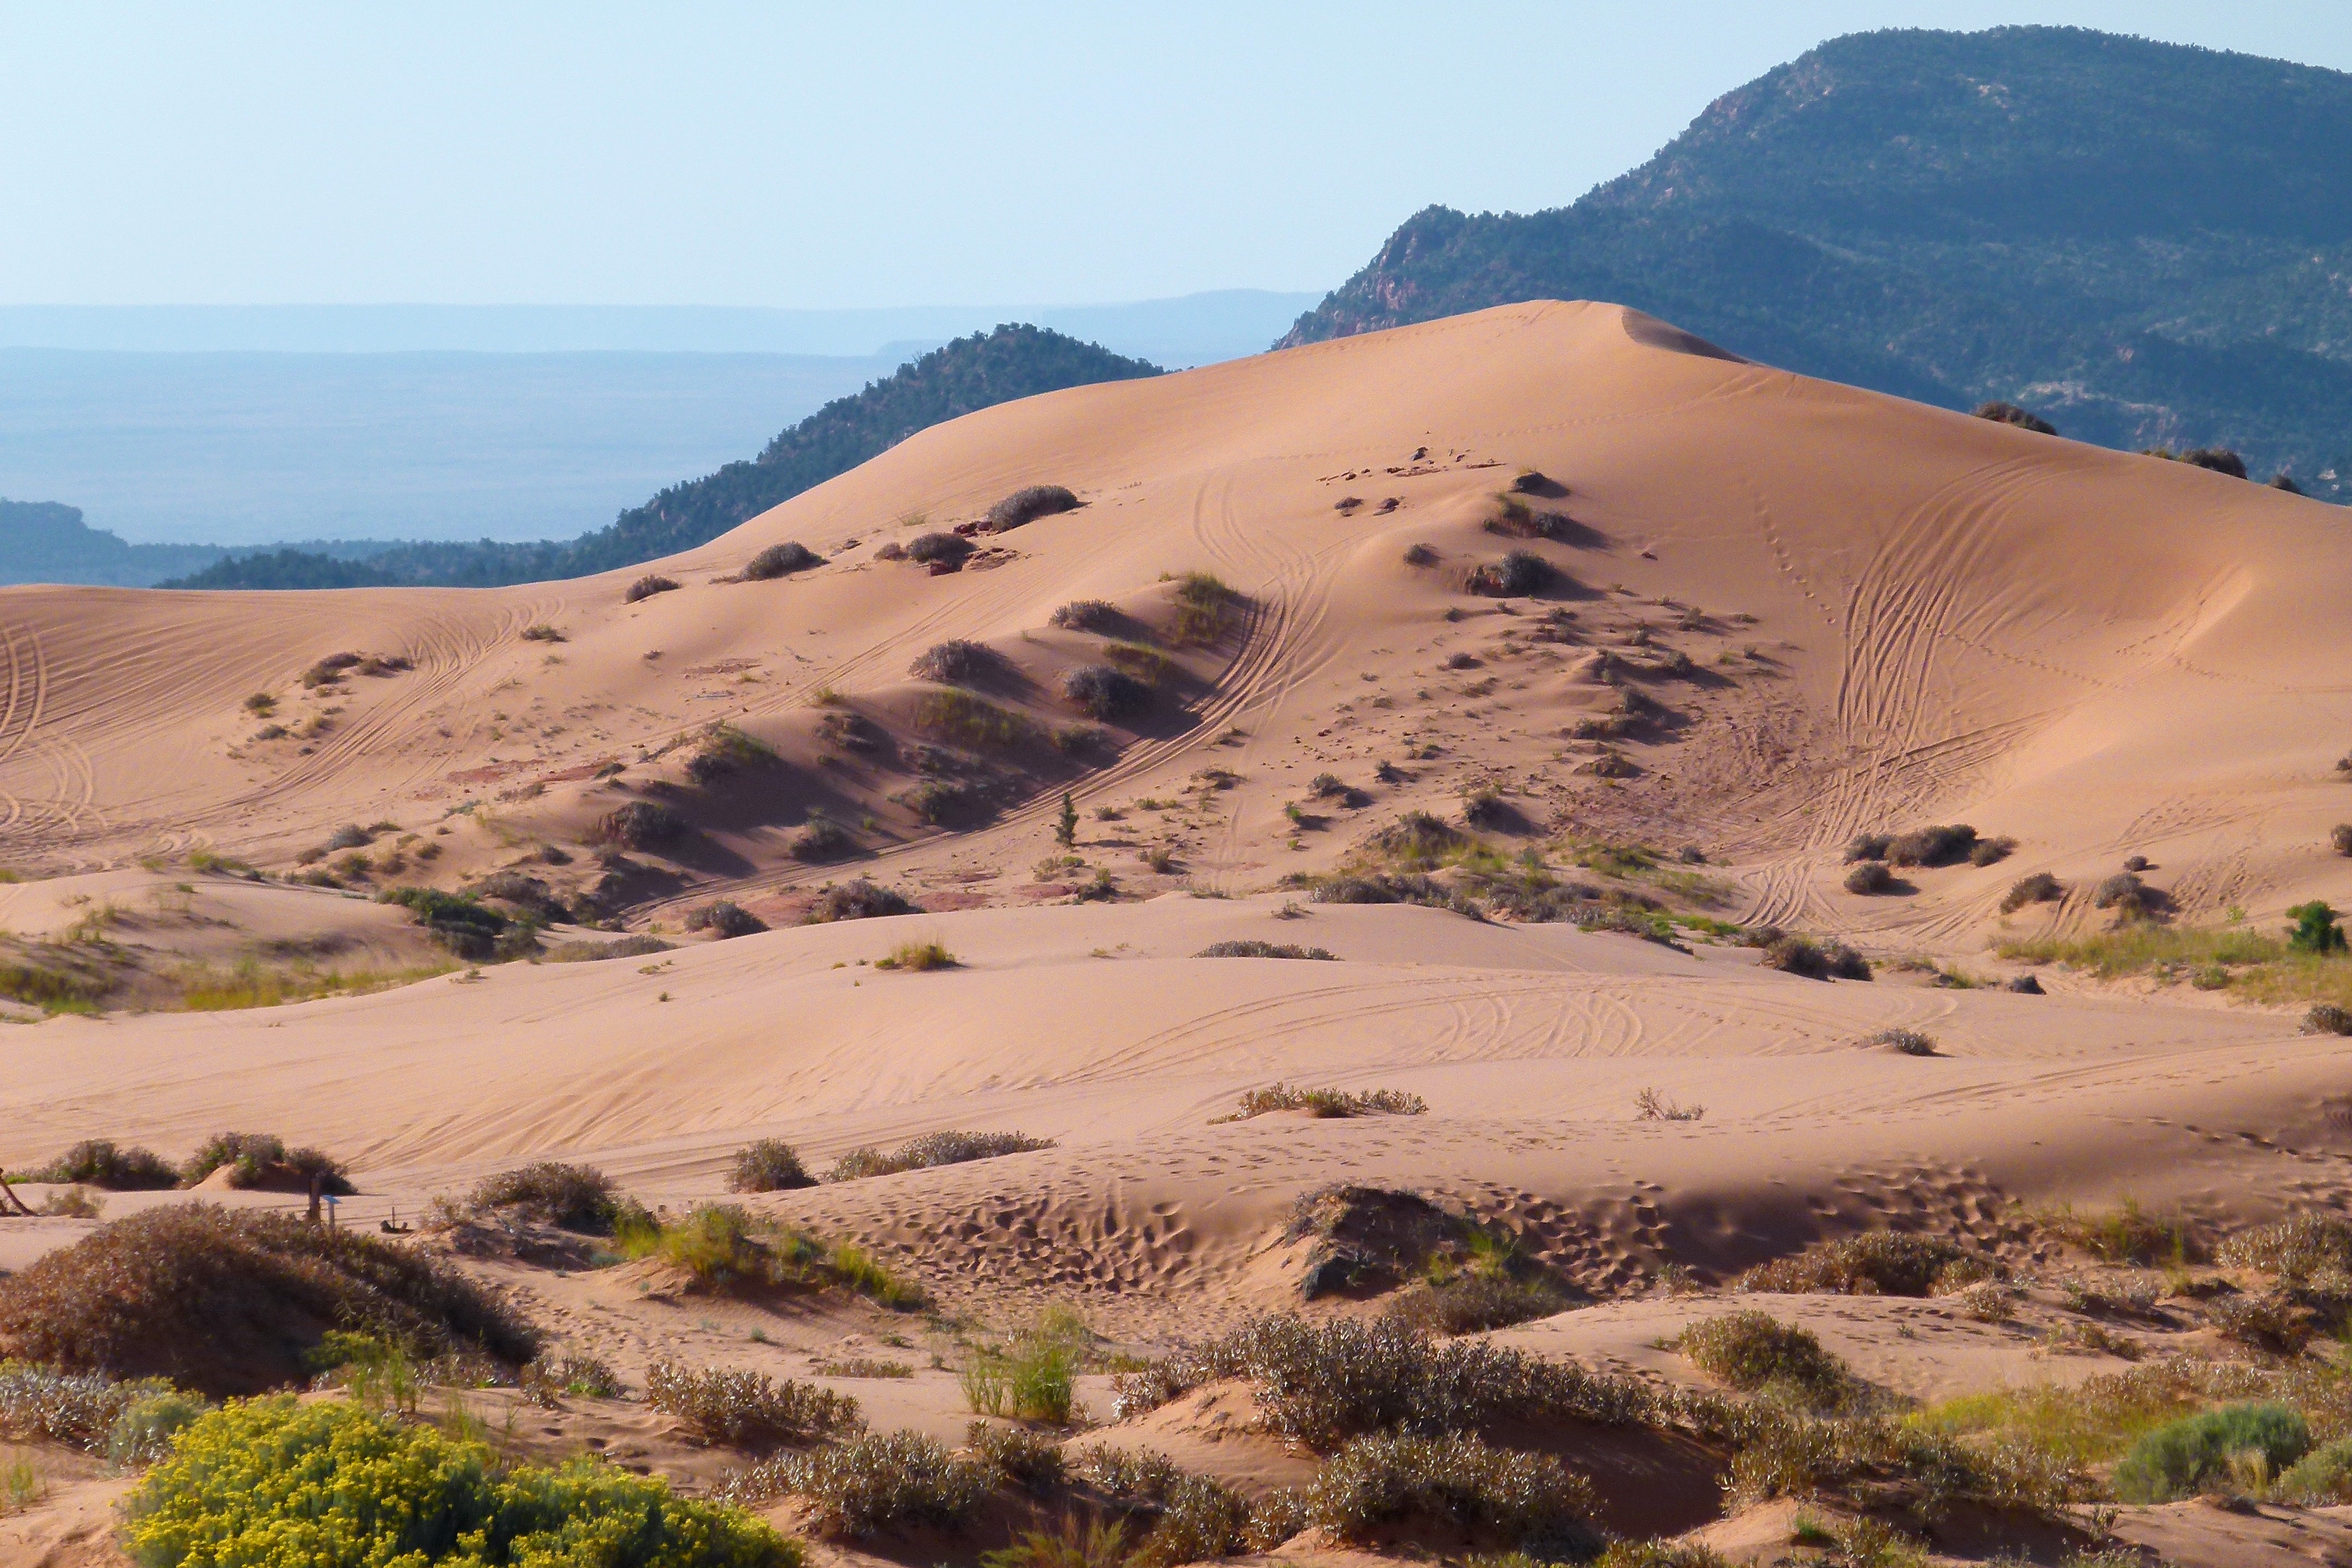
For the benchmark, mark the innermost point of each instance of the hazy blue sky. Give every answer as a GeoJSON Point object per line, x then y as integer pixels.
{"type": "Point", "coordinates": [857, 156]}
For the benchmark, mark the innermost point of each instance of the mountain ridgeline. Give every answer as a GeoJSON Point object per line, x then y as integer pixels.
{"type": "Point", "coordinates": [2148, 243]}
{"type": "Point", "coordinates": [962, 377]}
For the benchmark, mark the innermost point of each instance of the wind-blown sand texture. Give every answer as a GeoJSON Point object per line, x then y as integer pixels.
{"type": "Point", "coordinates": [1892, 615]}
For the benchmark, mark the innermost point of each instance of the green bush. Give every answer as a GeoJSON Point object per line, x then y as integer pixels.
{"type": "Point", "coordinates": [1752, 1350]}
{"type": "Point", "coordinates": [2180, 1460]}
{"type": "Point", "coordinates": [97, 1163]}
{"type": "Point", "coordinates": [770, 1165]}
{"type": "Point", "coordinates": [576, 1198]}
{"type": "Point", "coordinates": [253, 1157]}
{"type": "Point", "coordinates": [143, 1432]}
{"type": "Point", "coordinates": [874, 1483]}
{"type": "Point", "coordinates": [79, 1409]}
{"type": "Point", "coordinates": [275, 1482]}
{"type": "Point", "coordinates": [2315, 929]}
{"type": "Point", "coordinates": [2323, 1476]}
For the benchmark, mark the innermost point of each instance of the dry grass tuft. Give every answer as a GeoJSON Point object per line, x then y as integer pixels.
{"type": "Point", "coordinates": [1327, 1103]}
{"type": "Point", "coordinates": [932, 1149]}
{"type": "Point", "coordinates": [918, 956]}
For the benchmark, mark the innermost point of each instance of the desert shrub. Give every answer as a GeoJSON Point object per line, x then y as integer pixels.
{"type": "Point", "coordinates": [638, 946]}
{"type": "Point", "coordinates": [2011, 413]}
{"type": "Point", "coordinates": [2339, 837]}
{"type": "Point", "coordinates": [1875, 1263]}
{"type": "Point", "coordinates": [1199, 1519]}
{"type": "Point", "coordinates": [748, 1409]}
{"type": "Point", "coordinates": [967, 721]}
{"type": "Point", "coordinates": [948, 800]}
{"type": "Point", "coordinates": [1868, 845]}
{"type": "Point", "coordinates": [872, 1483]}
{"type": "Point", "coordinates": [2297, 1246]}
{"type": "Point", "coordinates": [546, 1379]}
{"type": "Point", "coordinates": [1910, 1042]}
{"type": "Point", "coordinates": [2040, 888]}
{"type": "Point", "coordinates": [1937, 845]}
{"type": "Point", "coordinates": [2125, 1235]}
{"type": "Point", "coordinates": [2125, 893]}
{"type": "Point", "coordinates": [917, 956]}
{"type": "Point", "coordinates": [461, 923]}
{"type": "Point", "coordinates": [1323, 1384]}
{"type": "Point", "coordinates": [1027, 505]}
{"type": "Point", "coordinates": [857, 900]}
{"type": "Point", "coordinates": [726, 918]}
{"type": "Point", "coordinates": [639, 825]}
{"type": "Point", "coordinates": [932, 1149]}
{"type": "Point", "coordinates": [272, 1480]}
{"type": "Point", "coordinates": [1515, 577]}
{"type": "Point", "coordinates": [255, 1157]}
{"type": "Point", "coordinates": [1869, 877]}
{"type": "Point", "coordinates": [2220, 459]}
{"type": "Point", "coordinates": [1991, 851]}
{"type": "Point", "coordinates": [1029, 1461]}
{"type": "Point", "coordinates": [1381, 887]}
{"type": "Point", "coordinates": [79, 1409]}
{"type": "Point", "coordinates": [1148, 665]}
{"type": "Point", "coordinates": [1752, 1350]}
{"type": "Point", "coordinates": [722, 750]}
{"type": "Point", "coordinates": [539, 631]}
{"type": "Point", "coordinates": [97, 1163]}
{"type": "Point", "coordinates": [2326, 1018]}
{"type": "Point", "coordinates": [350, 835]}
{"type": "Point", "coordinates": [1104, 692]}
{"type": "Point", "coordinates": [647, 586]}
{"type": "Point", "coordinates": [956, 662]}
{"type": "Point", "coordinates": [1639, 1554]}
{"type": "Point", "coordinates": [2315, 929]}
{"type": "Point", "coordinates": [781, 560]}
{"type": "Point", "coordinates": [821, 838]}
{"type": "Point", "coordinates": [1253, 948]}
{"type": "Point", "coordinates": [1477, 1300]}
{"type": "Point", "coordinates": [575, 1197]}
{"type": "Point", "coordinates": [1329, 1103]}
{"type": "Point", "coordinates": [1514, 519]}
{"type": "Point", "coordinates": [1421, 555]}
{"type": "Point", "coordinates": [1419, 839]}
{"type": "Point", "coordinates": [946, 548]}
{"type": "Point", "coordinates": [2178, 1461]}
{"type": "Point", "coordinates": [1452, 1480]}
{"type": "Point", "coordinates": [142, 1434]}
{"type": "Point", "coordinates": [1205, 609]}
{"type": "Point", "coordinates": [329, 668]}
{"type": "Point", "coordinates": [1087, 616]}
{"type": "Point", "coordinates": [1820, 959]}
{"type": "Point", "coordinates": [770, 1165]}
{"type": "Point", "coordinates": [228, 1301]}
{"type": "Point", "coordinates": [2322, 1476]}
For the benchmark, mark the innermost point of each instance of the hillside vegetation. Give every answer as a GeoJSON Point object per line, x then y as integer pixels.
{"type": "Point", "coordinates": [2145, 243]}
{"type": "Point", "coordinates": [966, 375]}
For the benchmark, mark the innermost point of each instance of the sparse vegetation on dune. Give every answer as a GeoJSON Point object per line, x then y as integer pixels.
{"type": "Point", "coordinates": [1327, 1103]}
{"type": "Point", "coordinates": [99, 1163]}
{"type": "Point", "coordinates": [573, 1198]}
{"type": "Point", "coordinates": [1516, 575]}
{"type": "Point", "coordinates": [749, 1410]}
{"type": "Point", "coordinates": [1251, 947]}
{"type": "Point", "coordinates": [647, 586]}
{"type": "Point", "coordinates": [1207, 610]}
{"type": "Point", "coordinates": [917, 956]}
{"type": "Point", "coordinates": [230, 1301]}
{"type": "Point", "coordinates": [257, 1159]}
{"type": "Point", "coordinates": [961, 719]}
{"type": "Point", "coordinates": [932, 1149]}
{"type": "Point", "coordinates": [1088, 615]}
{"type": "Point", "coordinates": [1814, 958]}
{"type": "Point", "coordinates": [1103, 691]}
{"type": "Point", "coordinates": [1752, 1352]}
{"type": "Point", "coordinates": [725, 917]}
{"type": "Point", "coordinates": [1028, 504]}
{"type": "Point", "coordinates": [857, 900]}
{"type": "Point", "coordinates": [770, 1165]}
{"type": "Point", "coordinates": [781, 560]}
{"type": "Point", "coordinates": [956, 662]}
{"type": "Point", "coordinates": [2247, 961]}
{"type": "Point", "coordinates": [1875, 1263]}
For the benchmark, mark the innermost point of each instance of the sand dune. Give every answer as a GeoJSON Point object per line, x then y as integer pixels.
{"type": "Point", "coordinates": [1813, 610]}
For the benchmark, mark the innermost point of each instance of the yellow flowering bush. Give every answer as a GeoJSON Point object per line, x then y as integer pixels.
{"type": "Point", "coordinates": [266, 1482]}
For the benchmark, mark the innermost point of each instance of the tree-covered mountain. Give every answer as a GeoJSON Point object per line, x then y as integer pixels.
{"type": "Point", "coordinates": [2146, 243]}
{"type": "Point", "coordinates": [966, 375]}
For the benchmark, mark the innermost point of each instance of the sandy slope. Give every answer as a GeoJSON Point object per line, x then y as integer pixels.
{"type": "Point", "coordinates": [2097, 654]}
{"type": "Point", "coordinates": [1893, 615]}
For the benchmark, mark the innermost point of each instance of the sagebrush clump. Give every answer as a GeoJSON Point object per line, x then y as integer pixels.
{"type": "Point", "coordinates": [1027, 505]}
{"type": "Point", "coordinates": [749, 1410]}
{"type": "Point", "coordinates": [1329, 1103]}
{"type": "Point", "coordinates": [932, 1149]}
{"type": "Point", "coordinates": [1875, 1263]}
{"type": "Point", "coordinates": [958, 661]}
{"type": "Point", "coordinates": [1102, 691]}
{"type": "Point", "coordinates": [770, 1165]}
{"type": "Point", "coordinates": [859, 901]}
{"type": "Point", "coordinates": [573, 1198]}
{"type": "Point", "coordinates": [1251, 947]}
{"type": "Point", "coordinates": [1751, 1351]}
{"type": "Point", "coordinates": [647, 586]}
{"type": "Point", "coordinates": [781, 560]}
